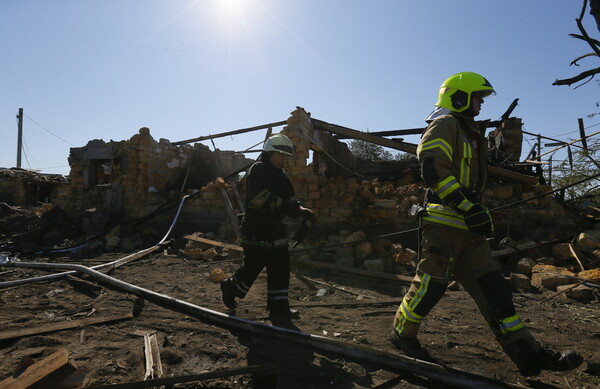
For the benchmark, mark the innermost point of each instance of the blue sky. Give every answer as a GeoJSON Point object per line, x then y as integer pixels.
{"type": "Point", "coordinates": [94, 69]}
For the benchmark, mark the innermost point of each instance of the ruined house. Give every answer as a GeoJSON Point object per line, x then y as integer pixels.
{"type": "Point", "coordinates": [125, 194]}
{"type": "Point", "coordinates": [28, 188]}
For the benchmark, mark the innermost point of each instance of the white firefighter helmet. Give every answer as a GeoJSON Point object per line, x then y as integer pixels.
{"type": "Point", "coordinates": [279, 143]}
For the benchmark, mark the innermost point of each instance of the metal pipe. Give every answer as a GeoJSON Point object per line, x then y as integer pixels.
{"type": "Point", "coordinates": [389, 361]}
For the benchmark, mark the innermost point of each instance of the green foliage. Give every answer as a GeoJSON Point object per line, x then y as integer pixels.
{"type": "Point", "coordinates": [585, 164]}
{"type": "Point", "coordinates": [371, 152]}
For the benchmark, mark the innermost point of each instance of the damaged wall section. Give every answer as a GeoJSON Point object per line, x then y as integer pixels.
{"type": "Point", "coordinates": [26, 188]}
{"type": "Point", "coordinates": [117, 181]}
{"type": "Point", "coordinates": [125, 193]}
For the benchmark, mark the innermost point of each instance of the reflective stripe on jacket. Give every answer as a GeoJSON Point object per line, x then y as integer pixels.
{"type": "Point", "coordinates": [453, 155]}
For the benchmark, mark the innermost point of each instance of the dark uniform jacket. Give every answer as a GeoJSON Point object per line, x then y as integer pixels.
{"type": "Point", "coordinates": [269, 194]}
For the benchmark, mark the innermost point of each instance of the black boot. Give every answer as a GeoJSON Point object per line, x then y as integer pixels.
{"type": "Point", "coordinates": [228, 294]}
{"type": "Point", "coordinates": [532, 360]}
{"type": "Point", "coordinates": [281, 315]}
{"type": "Point", "coordinates": [410, 346]}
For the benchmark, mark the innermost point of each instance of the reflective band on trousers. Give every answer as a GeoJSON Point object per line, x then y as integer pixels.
{"type": "Point", "coordinates": [408, 308]}
{"type": "Point", "coordinates": [511, 324]}
{"type": "Point", "coordinates": [277, 294]}
{"type": "Point", "coordinates": [264, 243]}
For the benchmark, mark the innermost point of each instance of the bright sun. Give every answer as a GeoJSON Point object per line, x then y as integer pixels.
{"type": "Point", "coordinates": [232, 7]}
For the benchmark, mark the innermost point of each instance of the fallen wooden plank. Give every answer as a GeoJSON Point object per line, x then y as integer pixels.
{"type": "Point", "coordinates": [517, 249]}
{"type": "Point", "coordinates": [67, 325]}
{"type": "Point", "coordinates": [576, 256]}
{"type": "Point", "coordinates": [341, 288]}
{"type": "Point", "coordinates": [513, 176]}
{"type": "Point", "coordinates": [82, 286]}
{"type": "Point", "coordinates": [37, 371]}
{"type": "Point", "coordinates": [347, 303]}
{"type": "Point", "coordinates": [153, 364]}
{"type": "Point", "coordinates": [266, 369]}
{"type": "Point", "coordinates": [230, 247]}
{"type": "Point", "coordinates": [352, 270]}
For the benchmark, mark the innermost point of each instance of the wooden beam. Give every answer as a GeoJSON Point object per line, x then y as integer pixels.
{"type": "Point", "coordinates": [37, 371]}
{"type": "Point", "coordinates": [352, 270]}
{"type": "Point", "coordinates": [210, 242]}
{"type": "Point", "coordinates": [496, 254]}
{"type": "Point", "coordinates": [354, 134]}
{"type": "Point", "coordinates": [513, 176]}
{"type": "Point", "coordinates": [412, 148]}
{"type": "Point", "coordinates": [67, 325]}
{"type": "Point", "coordinates": [235, 132]}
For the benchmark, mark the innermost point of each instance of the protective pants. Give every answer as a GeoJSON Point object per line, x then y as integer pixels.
{"type": "Point", "coordinates": [277, 261]}
{"type": "Point", "coordinates": [454, 253]}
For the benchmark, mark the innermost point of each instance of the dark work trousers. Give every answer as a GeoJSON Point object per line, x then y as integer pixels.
{"type": "Point", "coordinates": [277, 262]}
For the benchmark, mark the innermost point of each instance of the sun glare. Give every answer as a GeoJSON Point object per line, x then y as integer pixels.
{"type": "Point", "coordinates": [233, 8]}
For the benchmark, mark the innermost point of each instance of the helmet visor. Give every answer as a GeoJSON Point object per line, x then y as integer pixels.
{"type": "Point", "coordinates": [285, 149]}
{"type": "Point", "coordinates": [486, 93]}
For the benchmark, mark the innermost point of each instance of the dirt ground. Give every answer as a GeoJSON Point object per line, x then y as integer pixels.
{"type": "Point", "coordinates": [454, 332]}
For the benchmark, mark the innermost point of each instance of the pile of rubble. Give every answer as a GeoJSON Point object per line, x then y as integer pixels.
{"type": "Point", "coordinates": [572, 270]}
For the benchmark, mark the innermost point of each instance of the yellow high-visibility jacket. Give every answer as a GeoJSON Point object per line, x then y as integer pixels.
{"type": "Point", "coordinates": [453, 154]}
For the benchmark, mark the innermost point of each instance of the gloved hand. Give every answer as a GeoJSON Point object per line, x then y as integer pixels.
{"type": "Point", "coordinates": [478, 220]}
{"type": "Point", "coordinates": [308, 214]}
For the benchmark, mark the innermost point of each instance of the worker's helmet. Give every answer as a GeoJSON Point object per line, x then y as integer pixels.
{"type": "Point", "coordinates": [455, 93]}
{"type": "Point", "coordinates": [279, 143]}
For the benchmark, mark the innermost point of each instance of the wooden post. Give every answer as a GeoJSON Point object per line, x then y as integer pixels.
{"type": "Point", "coordinates": [231, 213]}
{"type": "Point", "coordinates": [20, 137]}
{"type": "Point", "coordinates": [582, 134]}
{"type": "Point", "coordinates": [550, 171]}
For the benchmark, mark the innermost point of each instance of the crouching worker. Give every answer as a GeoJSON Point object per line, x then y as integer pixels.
{"type": "Point", "coordinates": [453, 156]}
{"type": "Point", "coordinates": [269, 198]}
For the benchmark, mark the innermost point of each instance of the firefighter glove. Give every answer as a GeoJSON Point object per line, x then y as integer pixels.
{"type": "Point", "coordinates": [308, 214]}
{"type": "Point", "coordinates": [478, 220]}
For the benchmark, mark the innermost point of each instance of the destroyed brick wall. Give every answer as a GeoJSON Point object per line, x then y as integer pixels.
{"type": "Point", "coordinates": [27, 188]}
{"type": "Point", "coordinates": [507, 141]}
{"type": "Point", "coordinates": [359, 203]}
{"type": "Point", "coordinates": [127, 180]}
{"type": "Point", "coordinates": [362, 203]}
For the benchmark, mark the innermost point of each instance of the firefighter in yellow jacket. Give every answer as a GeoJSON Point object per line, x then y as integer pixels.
{"type": "Point", "coordinates": [453, 158]}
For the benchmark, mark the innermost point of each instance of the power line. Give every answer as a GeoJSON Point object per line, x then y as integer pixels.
{"type": "Point", "coordinates": [571, 132]}
{"type": "Point", "coordinates": [25, 154]}
{"type": "Point", "coordinates": [48, 131]}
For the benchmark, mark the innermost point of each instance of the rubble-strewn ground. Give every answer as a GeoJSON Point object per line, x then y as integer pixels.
{"type": "Point", "coordinates": [454, 333]}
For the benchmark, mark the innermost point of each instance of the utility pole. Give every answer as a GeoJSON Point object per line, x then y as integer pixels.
{"type": "Point", "coordinates": [20, 137]}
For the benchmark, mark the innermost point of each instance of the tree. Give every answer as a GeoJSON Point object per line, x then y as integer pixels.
{"type": "Point", "coordinates": [593, 43]}
{"type": "Point", "coordinates": [584, 164]}
{"type": "Point", "coordinates": [369, 151]}
{"type": "Point", "coordinates": [373, 152]}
